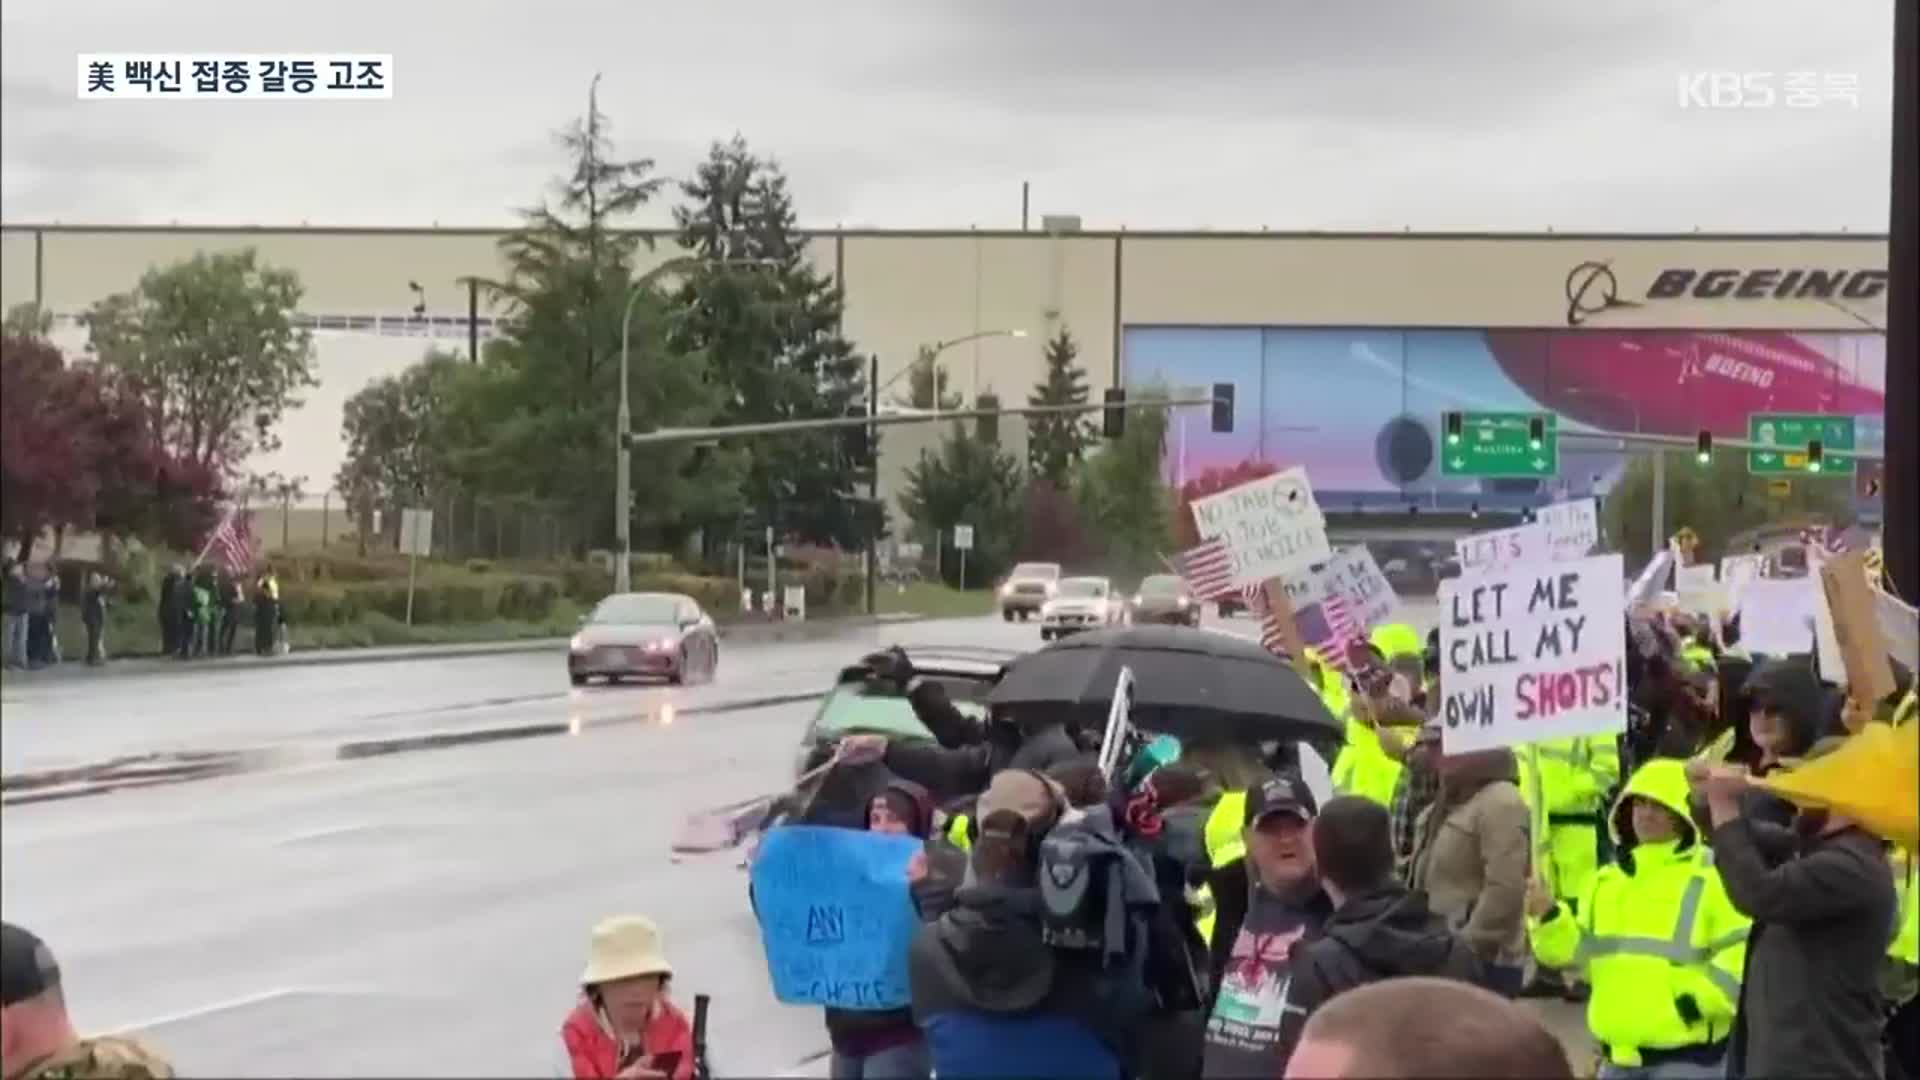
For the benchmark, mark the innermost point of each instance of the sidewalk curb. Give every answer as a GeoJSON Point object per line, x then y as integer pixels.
{"type": "Point", "coordinates": [150, 770]}
{"type": "Point", "coordinates": [740, 634]}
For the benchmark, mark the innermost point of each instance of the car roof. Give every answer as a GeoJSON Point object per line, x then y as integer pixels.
{"type": "Point", "coordinates": [645, 596]}
{"type": "Point", "coordinates": [1093, 578]}
{"type": "Point", "coordinates": [949, 661]}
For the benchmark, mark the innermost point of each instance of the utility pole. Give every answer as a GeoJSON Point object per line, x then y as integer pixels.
{"type": "Point", "coordinates": [873, 478]}
{"type": "Point", "coordinates": [1901, 537]}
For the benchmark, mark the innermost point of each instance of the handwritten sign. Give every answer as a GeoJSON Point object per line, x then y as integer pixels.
{"type": "Point", "coordinates": [1536, 652]}
{"type": "Point", "coordinates": [1272, 526]}
{"type": "Point", "coordinates": [1503, 549]}
{"type": "Point", "coordinates": [1779, 616]}
{"type": "Point", "coordinates": [835, 915]}
{"type": "Point", "coordinates": [1573, 528]}
{"type": "Point", "coordinates": [1369, 595]}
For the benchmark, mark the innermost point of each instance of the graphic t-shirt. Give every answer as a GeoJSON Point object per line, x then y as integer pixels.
{"type": "Point", "coordinates": [1243, 1034]}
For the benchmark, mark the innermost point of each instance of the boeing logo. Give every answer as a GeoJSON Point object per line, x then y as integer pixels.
{"type": "Point", "coordinates": [1591, 290]}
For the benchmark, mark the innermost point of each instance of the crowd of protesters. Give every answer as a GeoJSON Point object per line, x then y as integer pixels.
{"type": "Point", "coordinates": [200, 613]}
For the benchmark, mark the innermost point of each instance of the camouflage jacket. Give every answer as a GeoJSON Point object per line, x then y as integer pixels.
{"type": "Point", "coordinates": [107, 1058]}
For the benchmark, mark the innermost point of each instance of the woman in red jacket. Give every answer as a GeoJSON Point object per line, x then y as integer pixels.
{"type": "Point", "coordinates": [624, 1027]}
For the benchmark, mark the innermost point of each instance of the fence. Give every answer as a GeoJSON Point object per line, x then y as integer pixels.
{"type": "Point", "coordinates": [465, 526]}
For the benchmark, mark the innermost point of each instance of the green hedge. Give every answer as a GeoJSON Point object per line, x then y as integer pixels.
{"type": "Point", "coordinates": [473, 598]}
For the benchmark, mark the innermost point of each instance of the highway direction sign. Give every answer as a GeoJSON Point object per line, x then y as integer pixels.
{"type": "Point", "coordinates": [1499, 445]}
{"type": "Point", "coordinates": [1791, 432]}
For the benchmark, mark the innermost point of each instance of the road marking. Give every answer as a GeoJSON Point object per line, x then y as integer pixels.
{"type": "Point", "coordinates": [242, 1002]}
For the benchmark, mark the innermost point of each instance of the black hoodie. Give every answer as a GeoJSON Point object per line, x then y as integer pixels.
{"type": "Point", "coordinates": [1384, 934]}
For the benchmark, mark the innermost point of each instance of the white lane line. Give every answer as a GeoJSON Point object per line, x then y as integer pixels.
{"type": "Point", "coordinates": [232, 1004]}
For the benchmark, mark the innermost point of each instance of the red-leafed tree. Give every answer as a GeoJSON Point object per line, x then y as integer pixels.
{"type": "Point", "coordinates": [80, 449]}
{"type": "Point", "coordinates": [1052, 529]}
{"type": "Point", "coordinates": [1212, 482]}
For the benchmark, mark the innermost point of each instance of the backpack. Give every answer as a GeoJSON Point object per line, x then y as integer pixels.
{"type": "Point", "coordinates": [1094, 896]}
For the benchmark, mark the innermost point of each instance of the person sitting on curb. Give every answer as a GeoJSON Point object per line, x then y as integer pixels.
{"type": "Point", "coordinates": [37, 1040]}
{"type": "Point", "coordinates": [624, 1027]}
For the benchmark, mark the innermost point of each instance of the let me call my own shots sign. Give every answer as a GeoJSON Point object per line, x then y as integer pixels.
{"type": "Point", "coordinates": [1531, 653]}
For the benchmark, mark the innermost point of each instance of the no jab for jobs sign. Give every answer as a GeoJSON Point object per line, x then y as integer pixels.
{"type": "Point", "coordinates": [1533, 653]}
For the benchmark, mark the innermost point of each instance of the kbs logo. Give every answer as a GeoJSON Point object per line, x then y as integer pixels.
{"type": "Point", "coordinates": [1765, 90]}
{"type": "Point", "coordinates": [1726, 90]}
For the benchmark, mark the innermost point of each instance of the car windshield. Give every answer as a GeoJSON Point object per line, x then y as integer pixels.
{"type": "Point", "coordinates": [1081, 586]}
{"type": "Point", "coordinates": [856, 708]}
{"type": "Point", "coordinates": [1161, 585]}
{"type": "Point", "coordinates": [1037, 570]}
{"type": "Point", "coordinates": [637, 611]}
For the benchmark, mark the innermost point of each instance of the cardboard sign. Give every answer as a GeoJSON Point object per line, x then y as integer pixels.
{"type": "Point", "coordinates": [1272, 525]}
{"type": "Point", "coordinates": [1899, 626]}
{"type": "Point", "coordinates": [1573, 528]}
{"type": "Point", "coordinates": [1537, 652]}
{"type": "Point", "coordinates": [1652, 581]}
{"type": "Point", "coordinates": [835, 915]}
{"type": "Point", "coordinates": [1503, 549]}
{"type": "Point", "coordinates": [1778, 616]}
{"type": "Point", "coordinates": [1863, 654]}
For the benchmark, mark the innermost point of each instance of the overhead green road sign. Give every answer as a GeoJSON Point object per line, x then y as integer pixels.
{"type": "Point", "coordinates": [1500, 445]}
{"type": "Point", "coordinates": [1791, 432]}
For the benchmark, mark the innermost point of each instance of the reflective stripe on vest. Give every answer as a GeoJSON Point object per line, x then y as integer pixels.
{"type": "Point", "coordinates": [957, 833]}
{"type": "Point", "coordinates": [1678, 948]}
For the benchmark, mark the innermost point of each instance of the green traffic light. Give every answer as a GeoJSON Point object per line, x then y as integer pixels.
{"type": "Point", "coordinates": [1704, 459]}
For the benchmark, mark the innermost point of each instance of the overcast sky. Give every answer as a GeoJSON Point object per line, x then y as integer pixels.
{"type": "Point", "coordinates": [1430, 114]}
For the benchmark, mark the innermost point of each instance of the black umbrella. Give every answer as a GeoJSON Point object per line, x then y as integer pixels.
{"type": "Point", "coordinates": [1192, 684]}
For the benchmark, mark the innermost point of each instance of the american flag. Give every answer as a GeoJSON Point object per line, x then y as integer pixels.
{"type": "Point", "coordinates": [1207, 568]}
{"type": "Point", "coordinates": [232, 543]}
{"type": "Point", "coordinates": [1330, 629]}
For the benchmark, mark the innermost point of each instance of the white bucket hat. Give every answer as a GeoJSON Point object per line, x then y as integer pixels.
{"type": "Point", "coordinates": [624, 947]}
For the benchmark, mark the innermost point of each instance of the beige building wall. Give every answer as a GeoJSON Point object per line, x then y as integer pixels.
{"type": "Point", "coordinates": [909, 289]}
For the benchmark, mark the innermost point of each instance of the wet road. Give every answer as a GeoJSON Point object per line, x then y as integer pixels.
{"type": "Point", "coordinates": [69, 722]}
{"type": "Point", "coordinates": [424, 913]}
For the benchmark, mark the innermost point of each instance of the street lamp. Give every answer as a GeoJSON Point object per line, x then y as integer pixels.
{"type": "Point", "coordinates": [931, 354]}
{"type": "Point", "coordinates": [623, 463]}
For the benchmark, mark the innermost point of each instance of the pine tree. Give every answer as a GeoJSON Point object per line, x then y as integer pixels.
{"type": "Point", "coordinates": [927, 384]}
{"type": "Point", "coordinates": [1057, 443]}
{"type": "Point", "coordinates": [771, 331]}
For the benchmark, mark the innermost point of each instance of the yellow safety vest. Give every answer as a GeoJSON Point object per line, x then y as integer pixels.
{"type": "Point", "coordinates": [957, 833]}
{"type": "Point", "coordinates": [1226, 842]}
{"type": "Point", "coordinates": [1663, 930]}
{"type": "Point", "coordinates": [1906, 935]}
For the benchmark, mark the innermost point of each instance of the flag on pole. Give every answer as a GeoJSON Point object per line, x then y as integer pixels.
{"type": "Point", "coordinates": [1271, 638]}
{"type": "Point", "coordinates": [1330, 630]}
{"type": "Point", "coordinates": [232, 543]}
{"type": "Point", "coordinates": [1207, 568]}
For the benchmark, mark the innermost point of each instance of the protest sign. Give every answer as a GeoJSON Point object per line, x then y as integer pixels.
{"type": "Point", "coordinates": [835, 915]}
{"type": "Point", "coordinates": [1573, 528]}
{"type": "Point", "coordinates": [1652, 581]}
{"type": "Point", "coordinates": [1502, 549]}
{"type": "Point", "coordinates": [1736, 571]}
{"type": "Point", "coordinates": [1863, 652]}
{"type": "Point", "coordinates": [1272, 526]}
{"type": "Point", "coordinates": [1778, 616]}
{"type": "Point", "coordinates": [1536, 652]}
{"type": "Point", "coordinates": [1899, 626]}
{"type": "Point", "coordinates": [1697, 589]}
{"type": "Point", "coordinates": [1369, 595]}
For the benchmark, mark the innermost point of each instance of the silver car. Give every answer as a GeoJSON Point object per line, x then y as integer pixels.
{"type": "Point", "coordinates": [645, 636]}
{"type": "Point", "coordinates": [1081, 603]}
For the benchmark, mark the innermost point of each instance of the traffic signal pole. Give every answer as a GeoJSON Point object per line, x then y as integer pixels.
{"type": "Point", "coordinates": [1901, 540]}
{"type": "Point", "coordinates": [873, 479]}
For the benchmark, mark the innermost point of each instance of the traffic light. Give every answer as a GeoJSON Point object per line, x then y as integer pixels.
{"type": "Point", "coordinates": [987, 428]}
{"type": "Point", "coordinates": [1222, 408]}
{"type": "Point", "coordinates": [1816, 454]}
{"type": "Point", "coordinates": [1536, 432]}
{"type": "Point", "coordinates": [1456, 427]}
{"type": "Point", "coordinates": [855, 443]}
{"type": "Point", "coordinates": [1703, 447]}
{"type": "Point", "coordinates": [1113, 423]}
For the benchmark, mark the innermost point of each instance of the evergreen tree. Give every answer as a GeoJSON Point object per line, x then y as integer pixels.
{"type": "Point", "coordinates": [968, 482]}
{"type": "Point", "coordinates": [769, 325]}
{"type": "Point", "coordinates": [927, 384]}
{"type": "Point", "coordinates": [539, 418]}
{"type": "Point", "coordinates": [1057, 443]}
{"type": "Point", "coordinates": [1123, 495]}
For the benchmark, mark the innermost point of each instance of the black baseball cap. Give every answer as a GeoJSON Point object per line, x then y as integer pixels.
{"type": "Point", "coordinates": [27, 969]}
{"type": "Point", "coordinates": [1286, 793]}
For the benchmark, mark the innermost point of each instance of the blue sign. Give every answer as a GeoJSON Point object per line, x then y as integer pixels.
{"type": "Point", "coordinates": [836, 916]}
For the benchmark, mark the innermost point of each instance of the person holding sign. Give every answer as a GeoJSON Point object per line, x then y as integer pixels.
{"type": "Point", "coordinates": [1656, 1010]}
{"type": "Point", "coordinates": [624, 1027]}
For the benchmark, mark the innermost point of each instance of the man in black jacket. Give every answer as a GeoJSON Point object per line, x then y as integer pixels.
{"type": "Point", "coordinates": [1823, 906]}
{"type": "Point", "coordinates": [1378, 929]}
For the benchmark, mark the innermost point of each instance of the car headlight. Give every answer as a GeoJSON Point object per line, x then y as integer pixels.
{"type": "Point", "coordinates": [1007, 589]}
{"type": "Point", "coordinates": [1183, 602]}
{"type": "Point", "coordinates": [659, 645]}
{"type": "Point", "coordinates": [1138, 600]}
{"type": "Point", "coordinates": [578, 644]}
{"type": "Point", "coordinates": [1052, 588]}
